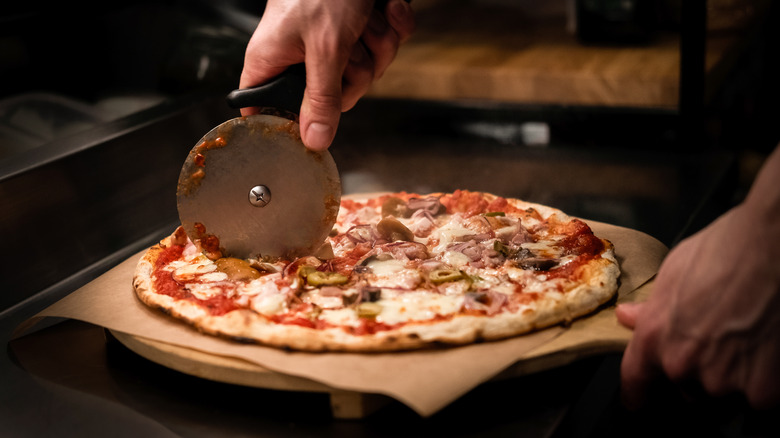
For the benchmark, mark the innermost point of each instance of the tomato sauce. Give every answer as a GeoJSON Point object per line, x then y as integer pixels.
{"type": "Point", "coordinates": [351, 205]}
{"type": "Point", "coordinates": [501, 204]}
{"type": "Point", "coordinates": [163, 280]}
{"type": "Point", "coordinates": [581, 240]}
{"type": "Point", "coordinates": [469, 203]}
{"type": "Point", "coordinates": [217, 305]}
{"type": "Point", "coordinates": [165, 284]}
{"type": "Point", "coordinates": [346, 263]}
{"type": "Point", "coordinates": [293, 320]}
{"type": "Point", "coordinates": [369, 327]}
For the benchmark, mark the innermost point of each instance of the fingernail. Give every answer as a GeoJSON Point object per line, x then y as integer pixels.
{"type": "Point", "coordinates": [319, 136]}
{"type": "Point", "coordinates": [398, 10]}
{"type": "Point", "coordinates": [629, 305]}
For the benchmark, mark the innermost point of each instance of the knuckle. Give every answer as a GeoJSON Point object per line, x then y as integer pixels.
{"type": "Point", "coordinates": [678, 363]}
{"type": "Point", "coordinates": [324, 101]}
{"type": "Point", "coordinates": [359, 74]}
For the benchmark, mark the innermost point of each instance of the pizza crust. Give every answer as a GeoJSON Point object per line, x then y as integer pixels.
{"type": "Point", "coordinates": [599, 286]}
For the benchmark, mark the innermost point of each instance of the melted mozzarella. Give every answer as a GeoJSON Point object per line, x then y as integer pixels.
{"type": "Point", "coordinates": [214, 276]}
{"type": "Point", "coordinates": [204, 291]}
{"type": "Point", "coordinates": [184, 271]}
{"type": "Point", "coordinates": [455, 259]}
{"type": "Point", "coordinates": [322, 301]}
{"type": "Point", "coordinates": [533, 281]}
{"type": "Point", "coordinates": [447, 233]}
{"type": "Point", "coordinates": [530, 222]}
{"type": "Point", "coordinates": [404, 279]}
{"type": "Point", "coordinates": [393, 273]}
{"type": "Point", "coordinates": [418, 305]}
{"type": "Point", "coordinates": [399, 308]}
{"type": "Point", "coordinates": [566, 260]}
{"type": "Point", "coordinates": [266, 295]}
{"type": "Point", "coordinates": [367, 215]}
{"type": "Point", "coordinates": [363, 215]}
{"type": "Point", "coordinates": [454, 288]}
{"type": "Point", "coordinates": [265, 285]}
{"type": "Point", "coordinates": [386, 267]}
{"type": "Point", "coordinates": [540, 285]}
{"type": "Point", "coordinates": [344, 316]}
{"type": "Point", "coordinates": [269, 304]}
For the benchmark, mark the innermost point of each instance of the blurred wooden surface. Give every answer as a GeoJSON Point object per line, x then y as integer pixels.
{"type": "Point", "coordinates": [524, 52]}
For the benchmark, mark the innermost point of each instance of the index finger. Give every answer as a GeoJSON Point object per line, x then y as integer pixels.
{"type": "Point", "coordinates": [636, 373]}
{"type": "Point", "coordinates": [321, 106]}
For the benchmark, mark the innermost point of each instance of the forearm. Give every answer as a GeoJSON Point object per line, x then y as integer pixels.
{"type": "Point", "coordinates": [764, 196]}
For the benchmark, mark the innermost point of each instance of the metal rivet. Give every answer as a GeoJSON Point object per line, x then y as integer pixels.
{"type": "Point", "coordinates": [259, 196]}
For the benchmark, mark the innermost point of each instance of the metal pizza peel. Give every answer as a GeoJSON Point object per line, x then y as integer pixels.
{"type": "Point", "coordinates": [251, 183]}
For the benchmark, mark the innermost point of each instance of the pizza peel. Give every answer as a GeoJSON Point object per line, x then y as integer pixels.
{"type": "Point", "coordinates": [251, 183]}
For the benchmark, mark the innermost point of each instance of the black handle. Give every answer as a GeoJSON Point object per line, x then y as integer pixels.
{"type": "Point", "coordinates": [284, 92]}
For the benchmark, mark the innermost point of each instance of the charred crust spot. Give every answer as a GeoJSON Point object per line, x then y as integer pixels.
{"type": "Point", "coordinates": [440, 345]}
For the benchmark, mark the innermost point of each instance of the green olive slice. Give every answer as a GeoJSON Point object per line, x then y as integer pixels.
{"type": "Point", "coordinates": [305, 270]}
{"type": "Point", "coordinates": [445, 275]}
{"type": "Point", "coordinates": [503, 249]}
{"type": "Point", "coordinates": [320, 278]}
{"type": "Point", "coordinates": [368, 310]}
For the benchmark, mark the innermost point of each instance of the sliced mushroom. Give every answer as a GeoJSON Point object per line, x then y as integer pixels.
{"type": "Point", "coordinates": [392, 229]}
{"type": "Point", "coordinates": [537, 264]}
{"type": "Point", "coordinates": [237, 269]}
{"type": "Point", "coordinates": [395, 207]}
{"type": "Point", "coordinates": [262, 266]}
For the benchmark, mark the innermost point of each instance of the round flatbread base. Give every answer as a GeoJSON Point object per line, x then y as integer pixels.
{"type": "Point", "coordinates": [552, 300]}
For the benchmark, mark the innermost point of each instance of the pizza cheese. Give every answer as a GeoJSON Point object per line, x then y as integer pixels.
{"type": "Point", "coordinates": [399, 271]}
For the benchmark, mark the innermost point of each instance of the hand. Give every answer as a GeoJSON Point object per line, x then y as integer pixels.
{"type": "Point", "coordinates": [713, 319]}
{"type": "Point", "coordinates": [346, 45]}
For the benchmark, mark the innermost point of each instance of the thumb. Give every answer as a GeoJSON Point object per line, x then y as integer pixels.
{"type": "Point", "coordinates": [627, 313]}
{"type": "Point", "coordinates": [401, 17]}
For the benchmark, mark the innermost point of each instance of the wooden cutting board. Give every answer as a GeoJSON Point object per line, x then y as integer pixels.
{"type": "Point", "coordinates": [599, 333]}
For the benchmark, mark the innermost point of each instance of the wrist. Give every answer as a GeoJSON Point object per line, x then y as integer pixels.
{"type": "Point", "coordinates": [763, 200]}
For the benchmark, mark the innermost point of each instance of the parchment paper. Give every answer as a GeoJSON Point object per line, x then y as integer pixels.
{"type": "Point", "coordinates": [426, 381]}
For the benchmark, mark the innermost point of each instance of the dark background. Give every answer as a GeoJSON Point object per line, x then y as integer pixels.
{"type": "Point", "coordinates": [120, 91]}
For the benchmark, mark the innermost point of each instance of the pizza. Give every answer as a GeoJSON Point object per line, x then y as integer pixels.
{"type": "Point", "coordinates": [399, 271]}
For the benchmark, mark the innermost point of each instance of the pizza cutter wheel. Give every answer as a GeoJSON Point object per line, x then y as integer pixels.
{"type": "Point", "coordinates": [251, 183]}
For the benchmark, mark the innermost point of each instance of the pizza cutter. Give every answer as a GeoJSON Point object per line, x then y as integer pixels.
{"type": "Point", "coordinates": [251, 183]}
